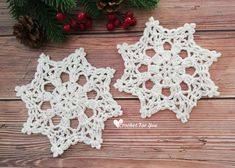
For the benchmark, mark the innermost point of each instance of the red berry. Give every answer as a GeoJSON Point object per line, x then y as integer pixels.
{"type": "Point", "coordinates": [81, 16]}
{"type": "Point", "coordinates": [116, 22]}
{"type": "Point", "coordinates": [111, 17]}
{"type": "Point", "coordinates": [60, 16]}
{"type": "Point", "coordinates": [129, 14]}
{"type": "Point", "coordinates": [128, 21]}
{"type": "Point", "coordinates": [124, 25]}
{"type": "Point", "coordinates": [110, 26]}
{"type": "Point", "coordinates": [67, 28]}
{"type": "Point", "coordinates": [133, 22]}
{"type": "Point", "coordinates": [74, 24]}
{"type": "Point", "coordinates": [82, 27]}
{"type": "Point", "coordinates": [88, 24]}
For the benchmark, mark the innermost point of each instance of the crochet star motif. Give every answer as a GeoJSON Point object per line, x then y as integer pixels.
{"type": "Point", "coordinates": [80, 117]}
{"type": "Point", "coordinates": [166, 69]}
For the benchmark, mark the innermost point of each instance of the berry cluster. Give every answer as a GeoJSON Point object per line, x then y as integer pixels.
{"type": "Point", "coordinates": [81, 22]}
{"type": "Point", "coordinates": [116, 20]}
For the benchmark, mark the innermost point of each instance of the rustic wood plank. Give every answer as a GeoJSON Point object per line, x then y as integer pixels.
{"type": "Point", "coordinates": [208, 139]}
{"type": "Point", "coordinates": [72, 162]}
{"type": "Point", "coordinates": [208, 14]}
{"type": "Point", "coordinates": [18, 63]}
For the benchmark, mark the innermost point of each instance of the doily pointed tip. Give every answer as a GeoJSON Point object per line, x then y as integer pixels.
{"type": "Point", "coordinates": [80, 50]}
{"type": "Point", "coordinates": [217, 54]}
{"type": "Point", "coordinates": [151, 19]}
{"type": "Point", "coordinates": [111, 71]}
{"type": "Point", "coordinates": [151, 22]}
{"type": "Point", "coordinates": [193, 25]}
{"type": "Point", "coordinates": [43, 57]}
{"type": "Point", "coordinates": [183, 117]}
{"type": "Point", "coordinates": [17, 88]}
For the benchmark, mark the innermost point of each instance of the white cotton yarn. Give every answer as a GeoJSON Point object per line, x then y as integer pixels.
{"type": "Point", "coordinates": [167, 69]}
{"type": "Point", "coordinates": [69, 101]}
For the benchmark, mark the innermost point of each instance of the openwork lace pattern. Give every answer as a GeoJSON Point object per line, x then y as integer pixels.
{"type": "Point", "coordinates": [75, 110]}
{"type": "Point", "coordinates": [166, 69]}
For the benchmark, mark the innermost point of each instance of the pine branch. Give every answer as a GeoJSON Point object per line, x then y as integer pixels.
{"type": "Point", "coordinates": [52, 31]}
{"type": "Point", "coordinates": [16, 7]}
{"type": "Point", "coordinates": [61, 5]}
{"type": "Point", "coordinates": [45, 10]}
{"type": "Point", "coordinates": [46, 18]}
{"type": "Point", "coordinates": [90, 7]}
{"type": "Point", "coordinates": [142, 4]}
{"type": "Point", "coordinates": [20, 3]}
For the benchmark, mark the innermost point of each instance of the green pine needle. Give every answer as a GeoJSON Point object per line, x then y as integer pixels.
{"type": "Point", "coordinates": [16, 7]}
{"type": "Point", "coordinates": [45, 10]}
{"type": "Point", "coordinates": [61, 5]}
{"type": "Point", "coordinates": [52, 31]}
{"type": "Point", "coordinates": [90, 7]}
{"type": "Point", "coordinates": [142, 4]}
{"type": "Point", "coordinates": [46, 18]}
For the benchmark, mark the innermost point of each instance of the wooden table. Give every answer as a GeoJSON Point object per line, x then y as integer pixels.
{"type": "Point", "coordinates": [207, 140]}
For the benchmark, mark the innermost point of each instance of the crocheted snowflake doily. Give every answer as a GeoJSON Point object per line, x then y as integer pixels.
{"type": "Point", "coordinates": [173, 63]}
{"type": "Point", "coordinates": [80, 118]}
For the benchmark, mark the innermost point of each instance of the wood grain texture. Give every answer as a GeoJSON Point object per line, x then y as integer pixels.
{"type": "Point", "coordinates": [18, 64]}
{"type": "Point", "coordinates": [208, 14]}
{"type": "Point", "coordinates": [207, 140]}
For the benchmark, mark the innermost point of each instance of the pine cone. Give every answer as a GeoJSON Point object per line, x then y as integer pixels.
{"type": "Point", "coordinates": [28, 31]}
{"type": "Point", "coordinates": [109, 5]}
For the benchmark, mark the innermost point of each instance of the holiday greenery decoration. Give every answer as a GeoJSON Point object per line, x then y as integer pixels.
{"type": "Point", "coordinates": [109, 6]}
{"type": "Point", "coordinates": [28, 31]}
{"type": "Point", "coordinates": [44, 12]}
{"type": "Point", "coordinates": [56, 18]}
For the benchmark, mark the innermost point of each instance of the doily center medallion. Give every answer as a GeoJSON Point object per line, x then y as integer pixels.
{"type": "Point", "coordinates": [174, 75]}
{"type": "Point", "coordinates": [76, 107]}
{"type": "Point", "coordinates": [166, 66]}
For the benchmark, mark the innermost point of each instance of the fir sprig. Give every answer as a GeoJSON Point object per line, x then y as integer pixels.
{"type": "Point", "coordinates": [44, 11]}
{"type": "Point", "coordinates": [51, 29]}
{"type": "Point", "coordinates": [142, 4]}
{"type": "Point", "coordinates": [61, 5]}
{"type": "Point", "coordinates": [90, 7]}
{"type": "Point", "coordinates": [17, 7]}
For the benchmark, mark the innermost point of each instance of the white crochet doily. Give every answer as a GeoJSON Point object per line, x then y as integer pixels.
{"type": "Point", "coordinates": [173, 63]}
{"type": "Point", "coordinates": [69, 101]}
